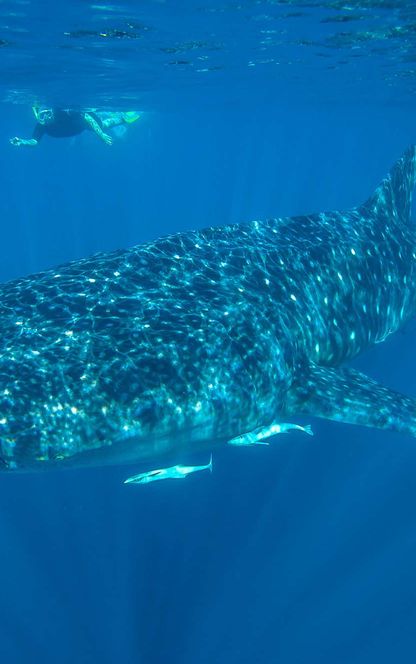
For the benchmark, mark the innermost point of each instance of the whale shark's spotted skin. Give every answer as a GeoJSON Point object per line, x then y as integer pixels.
{"type": "Point", "coordinates": [193, 339]}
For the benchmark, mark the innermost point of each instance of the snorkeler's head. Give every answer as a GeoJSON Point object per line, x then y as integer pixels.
{"type": "Point", "coordinates": [43, 115]}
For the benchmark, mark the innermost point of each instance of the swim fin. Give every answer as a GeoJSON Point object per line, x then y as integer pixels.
{"type": "Point", "coordinates": [130, 116]}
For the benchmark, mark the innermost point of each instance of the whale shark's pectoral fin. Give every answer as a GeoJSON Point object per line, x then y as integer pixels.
{"type": "Point", "coordinates": [348, 396]}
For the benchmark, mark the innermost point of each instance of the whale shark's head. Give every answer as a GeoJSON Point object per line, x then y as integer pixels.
{"type": "Point", "coordinates": [56, 410]}
{"type": "Point", "coordinates": [81, 384]}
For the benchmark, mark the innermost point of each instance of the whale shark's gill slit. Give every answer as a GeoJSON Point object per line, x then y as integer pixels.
{"type": "Point", "coordinates": [393, 196]}
{"type": "Point", "coordinates": [4, 464]}
{"type": "Point", "coordinates": [146, 412]}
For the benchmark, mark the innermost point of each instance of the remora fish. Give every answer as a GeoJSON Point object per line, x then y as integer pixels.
{"type": "Point", "coordinates": [189, 341]}
{"type": "Point", "coordinates": [172, 473]}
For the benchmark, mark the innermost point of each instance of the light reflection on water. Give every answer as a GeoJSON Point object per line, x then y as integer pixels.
{"type": "Point", "coordinates": [120, 54]}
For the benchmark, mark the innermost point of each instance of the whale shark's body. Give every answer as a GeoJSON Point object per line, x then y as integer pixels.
{"type": "Point", "coordinates": [189, 341]}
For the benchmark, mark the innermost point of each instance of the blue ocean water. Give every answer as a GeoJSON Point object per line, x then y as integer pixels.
{"type": "Point", "coordinates": [300, 553]}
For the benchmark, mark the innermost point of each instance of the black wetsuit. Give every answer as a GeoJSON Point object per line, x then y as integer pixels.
{"type": "Point", "coordinates": [64, 124]}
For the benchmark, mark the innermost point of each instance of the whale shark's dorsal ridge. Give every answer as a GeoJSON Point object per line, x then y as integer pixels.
{"type": "Point", "coordinates": [394, 194]}
{"type": "Point", "coordinates": [192, 340]}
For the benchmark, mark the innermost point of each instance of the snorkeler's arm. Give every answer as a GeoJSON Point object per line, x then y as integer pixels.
{"type": "Point", "coordinates": [38, 132]}
{"type": "Point", "coordinates": [97, 129]}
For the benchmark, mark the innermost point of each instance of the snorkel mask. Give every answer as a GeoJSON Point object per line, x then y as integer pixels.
{"type": "Point", "coordinates": [43, 115]}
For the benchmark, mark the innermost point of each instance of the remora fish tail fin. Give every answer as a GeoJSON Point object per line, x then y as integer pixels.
{"type": "Point", "coordinates": [393, 196]}
{"type": "Point", "coordinates": [348, 396]}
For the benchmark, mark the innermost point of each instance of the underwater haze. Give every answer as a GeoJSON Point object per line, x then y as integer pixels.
{"type": "Point", "coordinates": [302, 552]}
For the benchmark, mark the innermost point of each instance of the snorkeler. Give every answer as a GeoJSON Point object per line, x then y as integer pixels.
{"type": "Point", "coordinates": [62, 123]}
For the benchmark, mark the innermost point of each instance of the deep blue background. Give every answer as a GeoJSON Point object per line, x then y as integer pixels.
{"type": "Point", "coordinates": [300, 553]}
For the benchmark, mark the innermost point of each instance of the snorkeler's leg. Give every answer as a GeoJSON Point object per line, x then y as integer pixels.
{"type": "Point", "coordinates": [109, 120]}
{"type": "Point", "coordinates": [119, 118]}
{"type": "Point", "coordinates": [92, 122]}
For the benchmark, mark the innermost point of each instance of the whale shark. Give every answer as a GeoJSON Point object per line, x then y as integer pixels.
{"type": "Point", "coordinates": [187, 342]}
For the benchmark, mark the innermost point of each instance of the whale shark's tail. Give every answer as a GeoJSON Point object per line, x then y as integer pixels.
{"type": "Point", "coordinates": [393, 196]}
